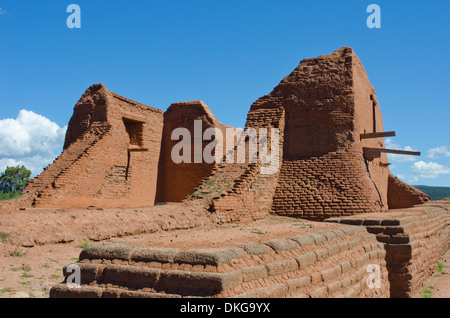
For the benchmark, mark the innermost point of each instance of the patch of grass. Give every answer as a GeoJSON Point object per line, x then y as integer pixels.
{"type": "Point", "coordinates": [440, 267]}
{"type": "Point", "coordinates": [6, 290]}
{"type": "Point", "coordinates": [438, 275]}
{"type": "Point", "coordinates": [17, 252]}
{"type": "Point", "coordinates": [86, 243]}
{"type": "Point", "coordinates": [428, 292]}
{"type": "Point", "coordinates": [10, 195]}
{"type": "Point", "coordinates": [259, 232]}
{"type": "Point", "coordinates": [26, 269]}
{"type": "Point", "coordinates": [172, 216]}
{"type": "Point", "coordinates": [55, 276]}
{"type": "Point", "coordinates": [4, 236]}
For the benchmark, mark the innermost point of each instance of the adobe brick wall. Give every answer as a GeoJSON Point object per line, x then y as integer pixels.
{"type": "Point", "coordinates": [330, 263]}
{"type": "Point", "coordinates": [414, 240]}
{"type": "Point", "coordinates": [402, 195]}
{"type": "Point", "coordinates": [110, 156]}
{"type": "Point", "coordinates": [117, 152]}
{"type": "Point", "coordinates": [177, 181]}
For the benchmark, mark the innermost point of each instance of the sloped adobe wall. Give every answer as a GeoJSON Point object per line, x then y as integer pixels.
{"type": "Point", "coordinates": [105, 161]}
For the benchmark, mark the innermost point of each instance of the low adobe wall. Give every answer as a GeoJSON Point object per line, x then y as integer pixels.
{"type": "Point", "coordinates": [414, 240]}
{"type": "Point", "coordinates": [329, 263]}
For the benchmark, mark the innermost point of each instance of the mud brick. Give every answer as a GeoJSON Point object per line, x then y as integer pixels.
{"type": "Point", "coordinates": [130, 276]}
{"type": "Point", "coordinates": [254, 248]}
{"type": "Point", "coordinates": [63, 291]}
{"type": "Point", "coordinates": [281, 267]}
{"type": "Point", "coordinates": [275, 291]}
{"type": "Point", "coordinates": [331, 273]}
{"type": "Point", "coordinates": [321, 253]}
{"type": "Point", "coordinates": [321, 292]}
{"type": "Point", "coordinates": [371, 222]}
{"type": "Point", "coordinates": [333, 249]}
{"type": "Point", "coordinates": [304, 240]}
{"type": "Point", "coordinates": [375, 229]}
{"type": "Point", "coordinates": [148, 255]}
{"type": "Point", "coordinates": [254, 273]}
{"type": "Point", "coordinates": [298, 284]}
{"type": "Point", "coordinates": [392, 230]}
{"type": "Point", "coordinates": [306, 259]}
{"type": "Point", "coordinates": [209, 256]}
{"type": "Point", "coordinates": [334, 287]}
{"type": "Point", "coordinates": [399, 239]}
{"type": "Point", "coordinates": [107, 251]}
{"type": "Point", "coordinates": [281, 245]}
{"type": "Point", "coordinates": [390, 222]}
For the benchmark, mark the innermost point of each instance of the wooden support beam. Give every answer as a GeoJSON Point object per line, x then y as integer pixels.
{"type": "Point", "coordinates": [376, 152]}
{"type": "Point", "coordinates": [378, 135]}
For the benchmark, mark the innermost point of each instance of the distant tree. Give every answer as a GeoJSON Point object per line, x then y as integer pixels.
{"type": "Point", "coordinates": [14, 179]}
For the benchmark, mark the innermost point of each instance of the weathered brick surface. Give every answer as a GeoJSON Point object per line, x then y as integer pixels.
{"type": "Point", "coordinates": [276, 268]}
{"type": "Point", "coordinates": [413, 244]}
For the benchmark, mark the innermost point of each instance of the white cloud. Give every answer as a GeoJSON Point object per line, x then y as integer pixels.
{"type": "Point", "coordinates": [31, 140]}
{"type": "Point", "coordinates": [430, 170]}
{"type": "Point", "coordinates": [399, 158]}
{"type": "Point", "coordinates": [435, 153]}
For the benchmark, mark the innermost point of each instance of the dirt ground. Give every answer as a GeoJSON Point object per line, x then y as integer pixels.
{"type": "Point", "coordinates": [35, 244]}
{"type": "Point", "coordinates": [438, 285]}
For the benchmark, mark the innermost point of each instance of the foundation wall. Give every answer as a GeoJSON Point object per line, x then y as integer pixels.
{"type": "Point", "coordinates": [331, 263]}
{"type": "Point", "coordinates": [414, 241]}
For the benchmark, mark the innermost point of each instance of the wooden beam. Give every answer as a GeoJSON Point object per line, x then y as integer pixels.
{"type": "Point", "coordinates": [376, 152]}
{"type": "Point", "coordinates": [378, 135]}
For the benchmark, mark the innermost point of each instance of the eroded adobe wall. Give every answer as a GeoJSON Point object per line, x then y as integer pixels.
{"type": "Point", "coordinates": [368, 119]}
{"type": "Point", "coordinates": [414, 240]}
{"type": "Point", "coordinates": [110, 156]}
{"type": "Point", "coordinates": [137, 132]}
{"type": "Point", "coordinates": [323, 171]}
{"type": "Point", "coordinates": [176, 181]}
{"type": "Point", "coordinates": [402, 195]}
{"type": "Point", "coordinates": [248, 193]}
{"type": "Point", "coordinates": [330, 263]}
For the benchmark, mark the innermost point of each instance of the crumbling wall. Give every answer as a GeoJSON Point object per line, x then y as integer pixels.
{"type": "Point", "coordinates": [402, 195]}
{"type": "Point", "coordinates": [331, 263]}
{"type": "Point", "coordinates": [176, 181]}
{"type": "Point", "coordinates": [110, 156]}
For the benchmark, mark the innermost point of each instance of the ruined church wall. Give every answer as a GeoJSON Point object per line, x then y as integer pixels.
{"type": "Point", "coordinates": [323, 171]}
{"type": "Point", "coordinates": [368, 119]}
{"type": "Point", "coordinates": [104, 163]}
{"type": "Point", "coordinates": [137, 134]}
{"type": "Point", "coordinates": [176, 181]}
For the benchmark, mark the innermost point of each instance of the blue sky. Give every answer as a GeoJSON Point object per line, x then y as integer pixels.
{"type": "Point", "coordinates": [226, 53]}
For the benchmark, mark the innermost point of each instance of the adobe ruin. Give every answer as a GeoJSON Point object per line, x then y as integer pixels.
{"type": "Point", "coordinates": [332, 167]}
{"type": "Point", "coordinates": [332, 156]}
